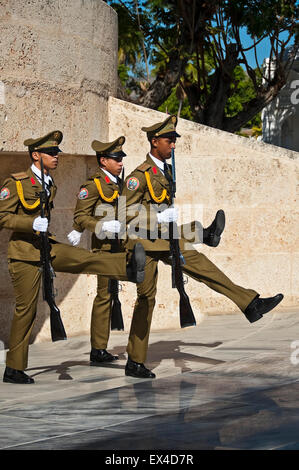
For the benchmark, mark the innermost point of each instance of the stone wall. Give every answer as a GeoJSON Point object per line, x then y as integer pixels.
{"type": "Point", "coordinates": [255, 183]}
{"type": "Point", "coordinates": [257, 186]}
{"type": "Point", "coordinates": [58, 64]}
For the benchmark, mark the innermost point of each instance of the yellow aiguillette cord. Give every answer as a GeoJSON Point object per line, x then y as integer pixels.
{"type": "Point", "coordinates": [157, 199]}
{"type": "Point", "coordinates": [21, 197]}
{"type": "Point", "coordinates": [107, 199]}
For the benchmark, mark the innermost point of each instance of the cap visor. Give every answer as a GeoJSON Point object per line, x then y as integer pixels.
{"type": "Point", "coordinates": [112, 154]}
{"type": "Point", "coordinates": [170, 134]}
{"type": "Point", "coordinates": [49, 150]}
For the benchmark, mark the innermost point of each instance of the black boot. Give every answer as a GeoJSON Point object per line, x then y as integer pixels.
{"type": "Point", "coordinates": [137, 369]}
{"type": "Point", "coordinates": [212, 234]}
{"type": "Point", "coordinates": [258, 307]}
{"type": "Point", "coordinates": [98, 356]}
{"type": "Point", "coordinates": [15, 376]}
{"type": "Point", "coordinates": [135, 268]}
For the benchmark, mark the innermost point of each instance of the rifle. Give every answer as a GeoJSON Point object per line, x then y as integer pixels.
{"type": "Point", "coordinates": [113, 285]}
{"type": "Point", "coordinates": [186, 314]}
{"type": "Point", "coordinates": [57, 329]}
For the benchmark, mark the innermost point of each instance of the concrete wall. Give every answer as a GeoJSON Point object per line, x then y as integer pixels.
{"type": "Point", "coordinates": [58, 64]}
{"type": "Point", "coordinates": [257, 186]}
{"type": "Point", "coordinates": [255, 183]}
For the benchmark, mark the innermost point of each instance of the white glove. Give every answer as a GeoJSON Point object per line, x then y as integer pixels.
{"type": "Point", "coordinates": [112, 226]}
{"type": "Point", "coordinates": [169, 215]}
{"type": "Point", "coordinates": [74, 237]}
{"type": "Point", "coordinates": [40, 224]}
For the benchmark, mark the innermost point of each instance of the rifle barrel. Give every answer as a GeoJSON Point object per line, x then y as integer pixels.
{"type": "Point", "coordinates": [57, 329]}
{"type": "Point", "coordinates": [186, 314]}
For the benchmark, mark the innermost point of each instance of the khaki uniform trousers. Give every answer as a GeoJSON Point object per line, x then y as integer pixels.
{"type": "Point", "coordinates": [197, 266]}
{"type": "Point", "coordinates": [26, 279]}
{"type": "Point", "coordinates": [101, 315]}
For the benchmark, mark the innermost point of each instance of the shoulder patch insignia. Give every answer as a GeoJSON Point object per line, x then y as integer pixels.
{"type": "Point", "coordinates": [4, 194]}
{"type": "Point", "coordinates": [133, 183]}
{"type": "Point", "coordinates": [83, 194]}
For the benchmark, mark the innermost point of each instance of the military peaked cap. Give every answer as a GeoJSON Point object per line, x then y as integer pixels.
{"type": "Point", "coordinates": [166, 128]}
{"type": "Point", "coordinates": [109, 149]}
{"type": "Point", "coordinates": [47, 142]}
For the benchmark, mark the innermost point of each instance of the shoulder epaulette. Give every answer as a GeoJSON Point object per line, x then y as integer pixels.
{"type": "Point", "coordinates": [95, 175]}
{"type": "Point", "coordinates": [20, 176]}
{"type": "Point", "coordinates": [143, 167]}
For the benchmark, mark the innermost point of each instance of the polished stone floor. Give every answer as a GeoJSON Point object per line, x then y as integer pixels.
{"type": "Point", "coordinates": [224, 384]}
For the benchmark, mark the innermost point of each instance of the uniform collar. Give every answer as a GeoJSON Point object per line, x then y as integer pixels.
{"type": "Point", "coordinates": [110, 176]}
{"type": "Point", "coordinates": [157, 162]}
{"type": "Point", "coordinates": [38, 174]}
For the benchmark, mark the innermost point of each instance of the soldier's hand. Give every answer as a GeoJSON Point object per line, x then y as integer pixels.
{"type": "Point", "coordinates": [169, 215]}
{"type": "Point", "coordinates": [111, 226]}
{"type": "Point", "coordinates": [40, 224]}
{"type": "Point", "coordinates": [74, 237]}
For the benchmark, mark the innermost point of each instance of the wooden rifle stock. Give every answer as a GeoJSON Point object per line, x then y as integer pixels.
{"type": "Point", "coordinates": [186, 314]}
{"type": "Point", "coordinates": [57, 329]}
{"type": "Point", "coordinates": [113, 286]}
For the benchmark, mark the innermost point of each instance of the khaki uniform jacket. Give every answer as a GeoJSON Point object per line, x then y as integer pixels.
{"type": "Point", "coordinates": [147, 188]}
{"type": "Point", "coordinates": [15, 214]}
{"type": "Point", "coordinates": [97, 200]}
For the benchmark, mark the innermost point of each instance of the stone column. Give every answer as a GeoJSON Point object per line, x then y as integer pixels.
{"type": "Point", "coordinates": [58, 65]}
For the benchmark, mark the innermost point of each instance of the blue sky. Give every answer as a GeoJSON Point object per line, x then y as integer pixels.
{"type": "Point", "coordinates": [263, 49]}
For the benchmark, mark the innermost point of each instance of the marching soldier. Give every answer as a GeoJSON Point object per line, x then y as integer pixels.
{"type": "Point", "coordinates": [19, 211]}
{"type": "Point", "coordinates": [100, 190]}
{"type": "Point", "coordinates": [148, 186]}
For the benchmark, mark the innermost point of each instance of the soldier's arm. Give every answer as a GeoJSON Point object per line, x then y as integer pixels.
{"type": "Point", "coordinates": [9, 202]}
{"type": "Point", "coordinates": [134, 192]}
{"type": "Point", "coordinates": [84, 217]}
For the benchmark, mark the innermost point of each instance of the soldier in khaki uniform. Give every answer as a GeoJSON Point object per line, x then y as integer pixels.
{"type": "Point", "coordinates": [148, 187]}
{"type": "Point", "coordinates": [95, 194]}
{"type": "Point", "coordinates": [98, 195]}
{"type": "Point", "coordinates": [19, 211]}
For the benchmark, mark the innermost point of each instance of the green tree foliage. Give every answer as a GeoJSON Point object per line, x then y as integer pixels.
{"type": "Point", "coordinates": [196, 46]}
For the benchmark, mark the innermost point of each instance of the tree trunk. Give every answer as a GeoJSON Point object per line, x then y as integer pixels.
{"type": "Point", "coordinates": [162, 86]}
{"type": "Point", "coordinates": [209, 110]}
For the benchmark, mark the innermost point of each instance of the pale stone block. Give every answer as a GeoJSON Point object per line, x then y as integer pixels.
{"type": "Point", "coordinates": [19, 50]}
{"type": "Point", "coordinates": [295, 275]}
{"type": "Point", "coordinates": [59, 62]}
{"type": "Point", "coordinates": [69, 176]}
{"type": "Point", "coordinates": [67, 54]}
{"type": "Point", "coordinates": [275, 229]}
